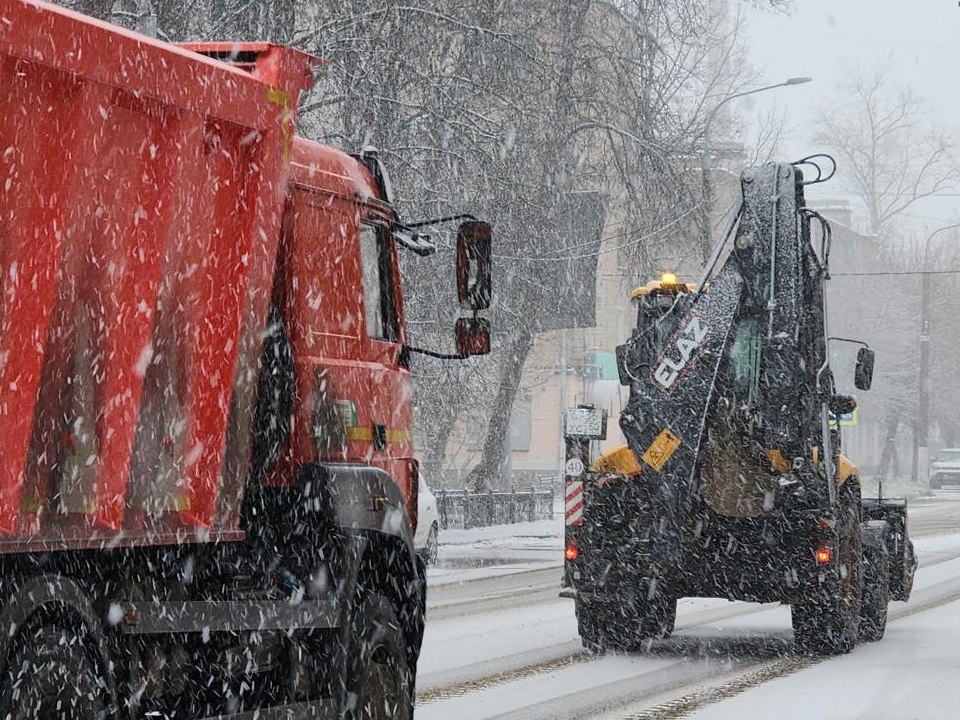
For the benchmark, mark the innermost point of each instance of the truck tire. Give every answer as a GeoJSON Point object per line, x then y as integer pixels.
{"type": "Point", "coordinates": [828, 622]}
{"type": "Point", "coordinates": [379, 682]}
{"type": "Point", "coordinates": [876, 591]}
{"type": "Point", "coordinates": [51, 675]}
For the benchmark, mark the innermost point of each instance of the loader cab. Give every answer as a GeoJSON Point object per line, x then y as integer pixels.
{"type": "Point", "coordinates": [654, 302]}
{"type": "Point", "coordinates": [659, 304]}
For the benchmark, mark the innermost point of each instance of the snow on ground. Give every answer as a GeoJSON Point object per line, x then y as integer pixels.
{"type": "Point", "coordinates": [912, 673]}
{"type": "Point", "coordinates": [882, 680]}
{"type": "Point", "coordinates": [466, 555]}
{"type": "Point", "coordinates": [505, 615]}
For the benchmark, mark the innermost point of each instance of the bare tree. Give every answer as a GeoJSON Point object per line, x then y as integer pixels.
{"type": "Point", "coordinates": [891, 157]}
{"type": "Point", "coordinates": [506, 110]}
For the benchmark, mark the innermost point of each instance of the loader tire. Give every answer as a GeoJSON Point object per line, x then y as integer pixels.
{"type": "Point", "coordinates": [379, 680]}
{"type": "Point", "coordinates": [876, 592]}
{"type": "Point", "coordinates": [591, 625]}
{"type": "Point", "coordinates": [625, 627]}
{"type": "Point", "coordinates": [828, 623]}
{"type": "Point", "coordinates": [51, 675]}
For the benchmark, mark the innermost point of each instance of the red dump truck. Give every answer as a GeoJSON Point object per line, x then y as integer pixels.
{"type": "Point", "coordinates": [207, 486]}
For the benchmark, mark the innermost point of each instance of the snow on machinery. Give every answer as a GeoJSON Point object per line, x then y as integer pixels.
{"type": "Point", "coordinates": [732, 484]}
{"type": "Point", "coordinates": [208, 490]}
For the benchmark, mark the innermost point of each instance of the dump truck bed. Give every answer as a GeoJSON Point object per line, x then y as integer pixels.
{"type": "Point", "coordinates": [140, 207]}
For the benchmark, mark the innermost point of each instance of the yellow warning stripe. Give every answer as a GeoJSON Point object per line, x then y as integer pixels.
{"type": "Point", "coordinates": [366, 434]}
{"type": "Point", "coordinates": [31, 505]}
{"type": "Point", "coordinates": [278, 96]}
{"type": "Point", "coordinates": [281, 98]}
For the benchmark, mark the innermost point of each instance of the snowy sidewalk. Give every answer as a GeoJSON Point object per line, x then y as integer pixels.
{"type": "Point", "coordinates": [477, 553]}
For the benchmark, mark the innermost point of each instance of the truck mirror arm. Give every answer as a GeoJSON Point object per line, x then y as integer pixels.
{"type": "Point", "coordinates": [416, 242]}
{"type": "Point", "coordinates": [407, 349]}
{"type": "Point", "coordinates": [438, 221]}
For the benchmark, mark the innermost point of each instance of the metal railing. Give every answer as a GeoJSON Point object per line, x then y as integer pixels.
{"type": "Point", "coordinates": [466, 509]}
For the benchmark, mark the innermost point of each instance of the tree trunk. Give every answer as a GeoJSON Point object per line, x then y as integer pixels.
{"type": "Point", "coordinates": [889, 455]}
{"type": "Point", "coordinates": [435, 456]}
{"type": "Point", "coordinates": [489, 470]}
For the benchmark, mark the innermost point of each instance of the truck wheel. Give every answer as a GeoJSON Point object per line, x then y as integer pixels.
{"type": "Point", "coordinates": [379, 682]}
{"type": "Point", "coordinates": [828, 624]}
{"type": "Point", "coordinates": [52, 676]}
{"type": "Point", "coordinates": [876, 592]}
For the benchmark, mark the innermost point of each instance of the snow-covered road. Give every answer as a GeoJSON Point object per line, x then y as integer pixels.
{"type": "Point", "coordinates": [501, 644]}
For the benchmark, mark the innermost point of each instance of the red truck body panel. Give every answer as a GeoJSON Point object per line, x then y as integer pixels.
{"type": "Point", "coordinates": [141, 203]}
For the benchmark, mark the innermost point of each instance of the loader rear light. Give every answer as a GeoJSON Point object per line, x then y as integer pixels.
{"type": "Point", "coordinates": [572, 552]}
{"type": "Point", "coordinates": [824, 555]}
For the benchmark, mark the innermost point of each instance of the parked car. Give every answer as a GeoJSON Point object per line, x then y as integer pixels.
{"type": "Point", "coordinates": [945, 470]}
{"type": "Point", "coordinates": [428, 525]}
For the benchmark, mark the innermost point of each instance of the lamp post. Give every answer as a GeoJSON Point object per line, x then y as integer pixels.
{"type": "Point", "coordinates": [707, 206]}
{"type": "Point", "coordinates": [921, 442]}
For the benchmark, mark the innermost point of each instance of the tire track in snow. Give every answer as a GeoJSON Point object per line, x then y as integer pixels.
{"type": "Point", "coordinates": [759, 671]}
{"type": "Point", "coordinates": [941, 593]}
{"type": "Point", "coordinates": [445, 693]}
{"type": "Point", "coordinates": [694, 620]}
{"type": "Point", "coordinates": [779, 668]}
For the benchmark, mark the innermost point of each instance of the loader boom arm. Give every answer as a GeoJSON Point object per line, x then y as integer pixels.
{"type": "Point", "coordinates": [767, 296]}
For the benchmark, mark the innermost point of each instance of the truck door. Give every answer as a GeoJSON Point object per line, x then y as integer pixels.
{"type": "Point", "coordinates": [388, 438]}
{"type": "Point", "coordinates": [346, 331]}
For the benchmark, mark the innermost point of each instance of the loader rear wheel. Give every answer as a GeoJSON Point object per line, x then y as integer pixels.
{"type": "Point", "coordinates": [625, 627]}
{"type": "Point", "coordinates": [52, 675]}
{"type": "Point", "coordinates": [876, 592]}
{"type": "Point", "coordinates": [828, 622]}
{"type": "Point", "coordinates": [379, 682]}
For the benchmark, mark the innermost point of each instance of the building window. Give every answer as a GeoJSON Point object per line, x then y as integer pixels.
{"type": "Point", "coordinates": [521, 424]}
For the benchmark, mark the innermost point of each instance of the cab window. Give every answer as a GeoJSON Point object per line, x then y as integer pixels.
{"type": "Point", "coordinates": [745, 359]}
{"type": "Point", "coordinates": [378, 291]}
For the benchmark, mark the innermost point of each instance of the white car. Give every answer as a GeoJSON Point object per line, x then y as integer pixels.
{"type": "Point", "coordinates": [428, 524]}
{"type": "Point", "coordinates": [946, 468]}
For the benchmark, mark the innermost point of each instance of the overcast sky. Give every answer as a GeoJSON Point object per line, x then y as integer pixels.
{"type": "Point", "coordinates": [821, 37]}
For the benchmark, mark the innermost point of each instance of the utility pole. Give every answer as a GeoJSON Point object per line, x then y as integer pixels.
{"type": "Point", "coordinates": [922, 474]}
{"type": "Point", "coordinates": [706, 169]}
{"type": "Point", "coordinates": [921, 436]}
{"type": "Point", "coordinates": [561, 440]}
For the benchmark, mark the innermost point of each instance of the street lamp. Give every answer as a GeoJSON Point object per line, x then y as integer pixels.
{"type": "Point", "coordinates": [707, 206]}
{"type": "Point", "coordinates": [921, 441]}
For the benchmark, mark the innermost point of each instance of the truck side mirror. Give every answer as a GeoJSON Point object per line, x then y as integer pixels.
{"type": "Point", "coordinates": [473, 336]}
{"type": "Point", "coordinates": [474, 265]}
{"type": "Point", "coordinates": [863, 375]}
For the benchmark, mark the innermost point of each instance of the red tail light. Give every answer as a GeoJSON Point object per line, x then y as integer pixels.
{"type": "Point", "coordinates": [824, 555]}
{"type": "Point", "coordinates": [571, 553]}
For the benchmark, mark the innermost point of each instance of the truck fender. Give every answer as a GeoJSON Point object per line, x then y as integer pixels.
{"type": "Point", "coordinates": [47, 592]}
{"type": "Point", "coordinates": [367, 503]}
{"type": "Point", "coordinates": [358, 497]}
